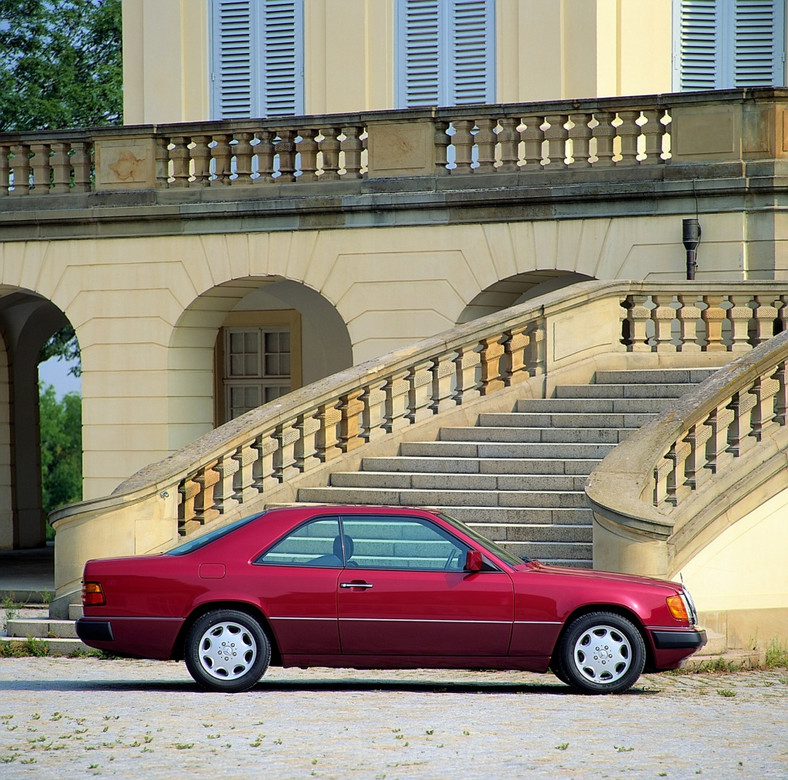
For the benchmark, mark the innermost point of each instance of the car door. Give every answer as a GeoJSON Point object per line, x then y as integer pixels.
{"type": "Point", "coordinates": [405, 592]}
{"type": "Point", "coordinates": [296, 580]}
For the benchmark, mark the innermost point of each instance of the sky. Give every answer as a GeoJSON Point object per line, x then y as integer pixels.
{"type": "Point", "coordinates": [55, 372]}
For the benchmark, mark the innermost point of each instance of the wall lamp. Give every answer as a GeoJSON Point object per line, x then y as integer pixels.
{"type": "Point", "coordinates": [691, 236]}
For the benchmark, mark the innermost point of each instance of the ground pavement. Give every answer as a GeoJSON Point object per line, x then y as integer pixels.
{"type": "Point", "coordinates": [66, 717]}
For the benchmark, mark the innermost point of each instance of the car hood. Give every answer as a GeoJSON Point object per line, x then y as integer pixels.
{"type": "Point", "coordinates": [593, 574]}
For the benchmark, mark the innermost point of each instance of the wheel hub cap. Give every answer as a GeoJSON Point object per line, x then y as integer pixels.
{"type": "Point", "coordinates": [227, 651]}
{"type": "Point", "coordinates": [602, 654]}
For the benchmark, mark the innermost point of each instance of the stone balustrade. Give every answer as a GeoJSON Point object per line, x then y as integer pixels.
{"type": "Point", "coordinates": [620, 133]}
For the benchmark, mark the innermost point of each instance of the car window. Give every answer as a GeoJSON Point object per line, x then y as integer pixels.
{"type": "Point", "coordinates": [393, 542]}
{"type": "Point", "coordinates": [316, 543]}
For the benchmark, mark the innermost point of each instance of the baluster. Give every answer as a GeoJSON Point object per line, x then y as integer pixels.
{"type": "Point", "coordinates": [328, 417]}
{"type": "Point", "coordinates": [61, 168]}
{"type": "Point", "coordinates": [224, 492]}
{"type": "Point", "coordinates": [285, 148]}
{"type": "Point", "coordinates": [532, 141]}
{"type": "Point", "coordinates": [516, 349]}
{"type": "Point", "coordinates": [179, 156]}
{"type": "Point", "coordinates": [442, 377]}
{"type": "Point", "coordinates": [21, 165]}
{"type": "Point", "coordinates": [485, 145]}
{"type": "Point", "coordinates": [580, 140]}
{"type": "Point", "coordinates": [463, 145]}
{"type": "Point", "coordinates": [740, 315]}
{"type": "Point", "coordinates": [243, 478]}
{"type": "Point", "coordinates": [351, 408]}
{"type": "Point", "coordinates": [603, 134]}
{"type": "Point", "coordinates": [639, 316]}
{"type": "Point", "coordinates": [243, 158]}
{"type": "Point", "coordinates": [556, 136]}
{"type": "Point", "coordinates": [689, 317]}
{"type": "Point", "coordinates": [677, 487]}
{"type": "Point", "coordinates": [695, 469]}
{"type": "Point", "coordinates": [373, 416]}
{"type": "Point", "coordinates": [664, 315]}
{"type": "Point", "coordinates": [222, 159]}
{"type": "Point", "coordinates": [82, 163]}
{"type": "Point", "coordinates": [652, 132]}
{"type": "Point", "coordinates": [628, 131]}
{"type": "Point", "coordinates": [717, 453]}
{"type": "Point", "coordinates": [763, 391]}
{"type": "Point", "coordinates": [740, 428]}
{"type": "Point", "coordinates": [5, 170]}
{"type": "Point", "coordinates": [536, 357]}
{"type": "Point", "coordinates": [492, 353]}
{"type": "Point", "coordinates": [307, 148]}
{"type": "Point", "coordinates": [466, 369]}
{"type": "Point", "coordinates": [396, 390]}
{"type": "Point", "coordinates": [161, 161]}
{"type": "Point", "coordinates": [40, 166]}
{"type": "Point", "coordinates": [508, 143]}
{"type": "Point", "coordinates": [420, 391]}
{"type": "Point", "coordinates": [329, 146]}
{"type": "Point", "coordinates": [286, 435]}
{"type": "Point", "coordinates": [765, 317]}
{"type": "Point", "coordinates": [264, 152]}
{"type": "Point", "coordinates": [351, 147]}
{"type": "Point", "coordinates": [664, 480]}
{"type": "Point", "coordinates": [201, 161]}
{"type": "Point", "coordinates": [264, 471]}
{"type": "Point", "coordinates": [187, 519]}
{"type": "Point", "coordinates": [306, 455]}
{"type": "Point", "coordinates": [713, 316]}
{"type": "Point", "coordinates": [780, 376]}
{"type": "Point", "coordinates": [204, 505]}
{"type": "Point", "coordinates": [442, 141]}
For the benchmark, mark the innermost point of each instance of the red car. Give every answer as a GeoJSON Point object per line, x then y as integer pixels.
{"type": "Point", "coordinates": [379, 588]}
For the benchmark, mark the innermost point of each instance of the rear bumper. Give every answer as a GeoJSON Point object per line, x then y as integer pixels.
{"type": "Point", "coordinates": [690, 639]}
{"type": "Point", "coordinates": [95, 631]}
{"type": "Point", "coordinates": [132, 636]}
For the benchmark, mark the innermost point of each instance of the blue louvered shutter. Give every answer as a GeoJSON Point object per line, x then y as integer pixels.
{"type": "Point", "coordinates": [445, 52]}
{"type": "Point", "coordinates": [722, 44]}
{"type": "Point", "coordinates": [257, 58]}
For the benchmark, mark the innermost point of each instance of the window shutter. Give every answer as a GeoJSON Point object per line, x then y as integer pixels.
{"type": "Point", "coordinates": [722, 44]}
{"type": "Point", "coordinates": [232, 59]}
{"type": "Point", "coordinates": [758, 43]}
{"type": "Point", "coordinates": [419, 33]}
{"type": "Point", "coordinates": [257, 58]}
{"type": "Point", "coordinates": [282, 58]}
{"type": "Point", "coordinates": [472, 53]}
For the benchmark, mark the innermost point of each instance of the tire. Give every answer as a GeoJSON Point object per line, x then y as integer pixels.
{"type": "Point", "coordinates": [601, 653]}
{"type": "Point", "coordinates": [227, 650]}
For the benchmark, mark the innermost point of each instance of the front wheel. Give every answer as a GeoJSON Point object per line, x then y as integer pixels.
{"type": "Point", "coordinates": [227, 650]}
{"type": "Point", "coordinates": [601, 653]}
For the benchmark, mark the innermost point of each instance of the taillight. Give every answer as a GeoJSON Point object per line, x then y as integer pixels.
{"type": "Point", "coordinates": [92, 595]}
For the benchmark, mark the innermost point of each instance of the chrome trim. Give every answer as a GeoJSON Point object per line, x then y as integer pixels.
{"type": "Point", "coordinates": [365, 585]}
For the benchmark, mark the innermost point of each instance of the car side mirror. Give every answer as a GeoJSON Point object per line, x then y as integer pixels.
{"type": "Point", "coordinates": [473, 561]}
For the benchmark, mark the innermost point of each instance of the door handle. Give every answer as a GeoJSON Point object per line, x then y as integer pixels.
{"type": "Point", "coordinates": [363, 585]}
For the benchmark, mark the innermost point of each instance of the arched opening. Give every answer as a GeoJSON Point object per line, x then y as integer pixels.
{"type": "Point", "coordinates": [247, 342]}
{"type": "Point", "coordinates": [518, 289]}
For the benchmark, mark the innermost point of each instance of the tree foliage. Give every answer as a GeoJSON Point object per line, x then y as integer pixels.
{"type": "Point", "coordinates": [61, 448]}
{"type": "Point", "coordinates": [63, 345]}
{"type": "Point", "coordinates": [60, 64]}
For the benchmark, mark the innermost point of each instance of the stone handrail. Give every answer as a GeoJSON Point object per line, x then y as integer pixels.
{"type": "Point", "coordinates": [677, 474]}
{"type": "Point", "coordinates": [246, 462]}
{"type": "Point", "coordinates": [551, 136]}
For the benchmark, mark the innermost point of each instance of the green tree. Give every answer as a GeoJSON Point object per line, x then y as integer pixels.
{"type": "Point", "coordinates": [63, 345]}
{"type": "Point", "coordinates": [60, 64]}
{"type": "Point", "coordinates": [61, 448]}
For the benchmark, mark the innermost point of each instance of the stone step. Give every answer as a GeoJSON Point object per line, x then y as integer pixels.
{"type": "Point", "coordinates": [478, 516]}
{"type": "Point", "coordinates": [534, 532]}
{"type": "Point", "coordinates": [505, 450]}
{"type": "Point", "coordinates": [600, 405]}
{"type": "Point", "coordinates": [486, 435]}
{"type": "Point", "coordinates": [444, 465]}
{"type": "Point", "coordinates": [51, 645]}
{"type": "Point", "coordinates": [41, 628]}
{"type": "Point", "coordinates": [430, 481]}
{"type": "Point", "coordinates": [653, 376]}
{"type": "Point", "coordinates": [563, 420]}
{"type": "Point", "coordinates": [656, 390]}
{"type": "Point", "coordinates": [550, 551]}
{"type": "Point", "coordinates": [409, 497]}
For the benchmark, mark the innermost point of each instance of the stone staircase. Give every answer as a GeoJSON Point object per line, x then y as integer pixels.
{"type": "Point", "coordinates": [518, 477]}
{"type": "Point", "coordinates": [40, 634]}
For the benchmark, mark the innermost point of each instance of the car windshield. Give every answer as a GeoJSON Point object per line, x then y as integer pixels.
{"type": "Point", "coordinates": [495, 549]}
{"type": "Point", "coordinates": [211, 536]}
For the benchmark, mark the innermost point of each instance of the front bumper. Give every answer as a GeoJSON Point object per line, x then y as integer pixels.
{"type": "Point", "coordinates": [689, 639]}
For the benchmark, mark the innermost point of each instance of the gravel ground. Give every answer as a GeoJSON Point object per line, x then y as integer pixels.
{"type": "Point", "coordinates": [123, 718]}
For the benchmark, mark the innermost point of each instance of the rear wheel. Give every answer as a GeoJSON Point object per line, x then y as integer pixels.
{"type": "Point", "coordinates": [227, 650]}
{"type": "Point", "coordinates": [601, 653]}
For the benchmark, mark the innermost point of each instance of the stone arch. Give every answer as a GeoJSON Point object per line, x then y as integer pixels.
{"type": "Point", "coordinates": [325, 344]}
{"type": "Point", "coordinates": [518, 289]}
{"type": "Point", "coordinates": [27, 320]}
